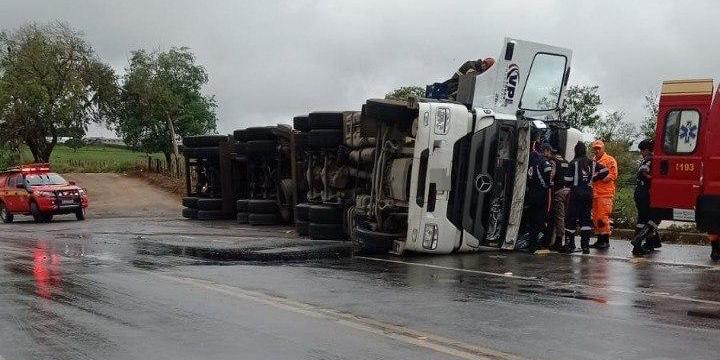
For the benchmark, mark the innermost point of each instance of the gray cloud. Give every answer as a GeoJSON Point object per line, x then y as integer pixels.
{"type": "Point", "coordinates": [270, 60]}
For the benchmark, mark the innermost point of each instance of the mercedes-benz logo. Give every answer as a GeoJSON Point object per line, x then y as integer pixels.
{"type": "Point", "coordinates": [483, 183]}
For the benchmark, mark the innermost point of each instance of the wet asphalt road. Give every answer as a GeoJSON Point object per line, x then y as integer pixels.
{"type": "Point", "coordinates": [109, 289]}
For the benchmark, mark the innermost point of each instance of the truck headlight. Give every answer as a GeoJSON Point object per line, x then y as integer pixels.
{"type": "Point", "coordinates": [442, 121]}
{"type": "Point", "coordinates": [430, 236]}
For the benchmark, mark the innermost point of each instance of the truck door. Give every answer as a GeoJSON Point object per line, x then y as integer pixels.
{"type": "Point", "coordinates": [677, 161]}
{"type": "Point", "coordinates": [489, 182]}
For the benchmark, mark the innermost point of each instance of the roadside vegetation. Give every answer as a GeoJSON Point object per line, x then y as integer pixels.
{"type": "Point", "coordinates": [93, 159]}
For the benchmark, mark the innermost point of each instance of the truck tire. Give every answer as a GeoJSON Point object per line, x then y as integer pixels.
{"type": "Point", "coordinates": [388, 111]}
{"type": "Point", "coordinates": [239, 135]}
{"type": "Point", "coordinates": [241, 148]}
{"type": "Point", "coordinates": [301, 123]}
{"type": "Point", "coordinates": [263, 219]}
{"type": "Point", "coordinates": [190, 202]}
{"type": "Point", "coordinates": [190, 213]}
{"type": "Point", "coordinates": [325, 138]}
{"type": "Point", "coordinates": [242, 218]}
{"type": "Point", "coordinates": [325, 214]}
{"type": "Point", "coordinates": [207, 153]}
{"type": "Point", "coordinates": [262, 147]}
{"type": "Point", "coordinates": [373, 242]}
{"type": "Point", "coordinates": [5, 215]}
{"type": "Point", "coordinates": [210, 215]}
{"type": "Point", "coordinates": [301, 227]}
{"type": "Point", "coordinates": [209, 204]}
{"type": "Point", "coordinates": [38, 217]}
{"type": "Point", "coordinates": [204, 141]}
{"type": "Point", "coordinates": [241, 205]}
{"type": "Point", "coordinates": [262, 206]}
{"type": "Point", "coordinates": [301, 141]}
{"type": "Point", "coordinates": [301, 212]}
{"type": "Point", "coordinates": [326, 120]}
{"type": "Point", "coordinates": [258, 133]}
{"type": "Point", "coordinates": [326, 231]}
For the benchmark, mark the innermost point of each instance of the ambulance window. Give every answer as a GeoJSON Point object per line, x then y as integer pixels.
{"type": "Point", "coordinates": [681, 131]}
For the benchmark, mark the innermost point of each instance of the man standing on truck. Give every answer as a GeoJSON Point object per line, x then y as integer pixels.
{"type": "Point", "coordinates": [603, 195]}
{"type": "Point", "coordinates": [474, 67]}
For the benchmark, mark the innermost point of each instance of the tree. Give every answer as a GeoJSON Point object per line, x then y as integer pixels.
{"type": "Point", "coordinates": [651, 106]}
{"type": "Point", "coordinates": [50, 80]}
{"type": "Point", "coordinates": [75, 143]}
{"type": "Point", "coordinates": [580, 106]}
{"type": "Point", "coordinates": [161, 100]}
{"type": "Point", "coordinates": [613, 128]}
{"type": "Point", "coordinates": [405, 92]}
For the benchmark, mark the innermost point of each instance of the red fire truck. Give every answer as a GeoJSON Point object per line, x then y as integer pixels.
{"type": "Point", "coordinates": [35, 190]}
{"type": "Point", "coordinates": [686, 160]}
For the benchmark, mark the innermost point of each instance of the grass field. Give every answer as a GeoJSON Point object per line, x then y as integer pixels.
{"type": "Point", "coordinates": [92, 159]}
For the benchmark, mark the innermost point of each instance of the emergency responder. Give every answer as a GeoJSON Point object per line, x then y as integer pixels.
{"type": "Point", "coordinates": [581, 179]}
{"type": "Point", "coordinates": [715, 243]}
{"type": "Point", "coordinates": [536, 196]}
{"type": "Point", "coordinates": [647, 222]}
{"type": "Point", "coordinates": [603, 196]}
{"type": "Point", "coordinates": [559, 192]}
{"type": "Point", "coordinates": [475, 67]}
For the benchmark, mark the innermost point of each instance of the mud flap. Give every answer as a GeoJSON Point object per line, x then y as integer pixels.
{"type": "Point", "coordinates": [518, 196]}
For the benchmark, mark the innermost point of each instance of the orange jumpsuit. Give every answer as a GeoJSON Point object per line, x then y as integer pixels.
{"type": "Point", "coordinates": [604, 195]}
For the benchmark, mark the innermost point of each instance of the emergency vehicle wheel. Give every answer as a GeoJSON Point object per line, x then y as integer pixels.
{"type": "Point", "coordinates": [80, 214]}
{"type": "Point", "coordinates": [39, 217]}
{"type": "Point", "coordinates": [6, 216]}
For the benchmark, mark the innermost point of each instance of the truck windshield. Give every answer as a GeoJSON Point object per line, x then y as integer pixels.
{"type": "Point", "coordinates": [44, 179]}
{"type": "Point", "coordinates": [542, 90]}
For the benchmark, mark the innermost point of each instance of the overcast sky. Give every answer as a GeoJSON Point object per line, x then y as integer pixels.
{"type": "Point", "coordinates": [269, 60]}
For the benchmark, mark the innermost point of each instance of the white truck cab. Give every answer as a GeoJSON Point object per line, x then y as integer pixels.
{"type": "Point", "coordinates": [471, 156]}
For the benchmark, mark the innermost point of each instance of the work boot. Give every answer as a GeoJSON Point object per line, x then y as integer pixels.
{"type": "Point", "coordinates": [602, 243]}
{"type": "Point", "coordinates": [636, 242]}
{"type": "Point", "coordinates": [715, 254]}
{"type": "Point", "coordinates": [569, 246]}
{"type": "Point", "coordinates": [585, 241]}
{"type": "Point", "coordinates": [557, 245]}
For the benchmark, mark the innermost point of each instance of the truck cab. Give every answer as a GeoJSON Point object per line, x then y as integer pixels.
{"type": "Point", "coordinates": [686, 157]}
{"type": "Point", "coordinates": [471, 155]}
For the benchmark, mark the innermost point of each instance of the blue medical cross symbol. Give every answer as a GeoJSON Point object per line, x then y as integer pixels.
{"type": "Point", "coordinates": [688, 131]}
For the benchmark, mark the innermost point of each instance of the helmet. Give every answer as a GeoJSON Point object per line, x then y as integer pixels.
{"type": "Point", "coordinates": [646, 144]}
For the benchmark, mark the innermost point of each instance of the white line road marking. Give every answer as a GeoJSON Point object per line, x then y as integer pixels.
{"type": "Point", "coordinates": [399, 333]}
{"type": "Point", "coordinates": [516, 277]}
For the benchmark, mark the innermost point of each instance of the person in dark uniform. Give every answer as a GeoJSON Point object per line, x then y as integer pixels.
{"type": "Point", "coordinates": [559, 190]}
{"type": "Point", "coordinates": [647, 221]}
{"type": "Point", "coordinates": [579, 179]}
{"type": "Point", "coordinates": [536, 196]}
{"type": "Point", "coordinates": [475, 67]}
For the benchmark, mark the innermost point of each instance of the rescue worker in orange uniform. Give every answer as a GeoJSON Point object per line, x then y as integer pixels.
{"type": "Point", "coordinates": [603, 196]}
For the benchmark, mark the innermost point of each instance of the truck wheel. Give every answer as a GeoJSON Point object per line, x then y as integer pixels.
{"type": "Point", "coordinates": [325, 138]}
{"type": "Point", "coordinates": [239, 135]}
{"type": "Point", "coordinates": [242, 218]}
{"type": "Point", "coordinates": [240, 149]}
{"type": "Point", "coordinates": [373, 242]}
{"type": "Point", "coordinates": [301, 141]}
{"type": "Point", "coordinates": [80, 214]}
{"type": "Point", "coordinates": [190, 213]}
{"type": "Point", "coordinates": [325, 214]}
{"type": "Point", "coordinates": [204, 140]}
{"type": "Point", "coordinates": [210, 215]}
{"type": "Point", "coordinates": [208, 153]}
{"type": "Point", "coordinates": [38, 217]}
{"type": "Point", "coordinates": [209, 204]}
{"type": "Point", "coordinates": [6, 216]}
{"type": "Point", "coordinates": [301, 212]}
{"type": "Point", "coordinates": [256, 206]}
{"type": "Point", "coordinates": [301, 123]}
{"type": "Point", "coordinates": [301, 227]}
{"type": "Point", "coordinates": [326, 231]}
{"type": "Point", "coordinates": [241, 205]}
{"type": "Point", "coordinates": [190, 202]}
{"type": "Point", "coordinates": [263, 219]}
{"type": "Point", "coordinates": [388, 111]}
{"type": "Point", "coordinates": [258, 133]}
{"type": "Point", "coordinates": [262, 147]}
{"type": "Point", "coordinates": [326, 120]}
